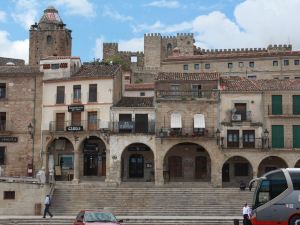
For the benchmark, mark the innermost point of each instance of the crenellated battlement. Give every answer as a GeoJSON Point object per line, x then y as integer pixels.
{"type": "Point", "coordinates": [271, 48]}
{"type": "Point", "coordinates": [152, 35]}
{"type": "Point", "coordinates": [185, 35]}
{"type": "Point", "coordinates": [112, 44]}
{"type": "Point", "coordinates": [169, 37]}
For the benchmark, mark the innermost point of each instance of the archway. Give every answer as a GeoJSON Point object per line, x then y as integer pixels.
{"type": "Point", "coordinates": [61, 159]}
{"type": "Point", "coordinates": [137, 163]}
{"type": "Point", "coordinates": [297, 165]}
{"type": "Point", "coordinates": [94, 157]}
{"type": "Point", "coordinates": [187, 162]}
{"type": "Point", "coordinates": [235, 170]}
{"type": "Point", "coordinates": [270, 163]}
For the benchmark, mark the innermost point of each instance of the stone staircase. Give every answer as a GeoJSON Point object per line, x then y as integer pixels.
{"type": "Point", "coordinates": [150, 201]}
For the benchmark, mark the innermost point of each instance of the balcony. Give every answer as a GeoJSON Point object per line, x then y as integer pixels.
{"type": "Point", "coordinates": [83, 125]}
{"type": "Point", "coordinates": [187, 95]}
{"type": "Point", "coordinates": [256, 143]}
{"type": "Point", "coordinates": [133, 127]}
{"type": "Point", "coordinates": [284, 110]}
{"type": "Point", "coordinates": [208, 132]}
{"type": "Point", "coordinates": [241, 116]}
{"type": "Point", "coordinates": [76, 98]}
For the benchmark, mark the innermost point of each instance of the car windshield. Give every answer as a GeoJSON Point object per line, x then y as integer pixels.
{"type": "Point", "coordinates": [99, 217]}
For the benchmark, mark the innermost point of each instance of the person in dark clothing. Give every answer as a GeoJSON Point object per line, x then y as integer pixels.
{"type": "Point", "coordinates": [47, 203]}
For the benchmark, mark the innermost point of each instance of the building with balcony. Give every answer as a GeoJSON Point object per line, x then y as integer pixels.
{"type": "Point", "coordinates": [269, 138]}
{"type": "Point", "coordinates": [132, 139]}
{"type": "Point", "coordinates": [20, 120]}
{"type": "Point", "coordinates": [76, 119]}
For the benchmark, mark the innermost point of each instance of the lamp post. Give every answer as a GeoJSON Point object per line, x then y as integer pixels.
{"type": "Point", "coordinates": [266, 138]}
{"type": "Point", "coordinates": [218, 133]}
{"type": "Point", "coordinates": [31, 132]}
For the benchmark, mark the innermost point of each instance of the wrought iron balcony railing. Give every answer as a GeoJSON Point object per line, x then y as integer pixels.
{"type": "Point", "coordinates": [133, 127]}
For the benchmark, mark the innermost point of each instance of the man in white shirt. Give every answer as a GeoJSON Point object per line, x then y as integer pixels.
{"type": "Point", "coordinates": [47, 205]}
{"type": "Point", "coordinates": [246, 214]}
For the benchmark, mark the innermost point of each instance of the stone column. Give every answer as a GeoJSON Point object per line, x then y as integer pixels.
{"type": "Point", "coordinates": [159, 161]}
{"type": "Point", "coordinates": [216, 174]}
{"type": "Point", "coordinates": [76, 177]}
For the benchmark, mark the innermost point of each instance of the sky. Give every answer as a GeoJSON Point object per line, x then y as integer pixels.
{"type": "Point", "coordinates": [216, 24]}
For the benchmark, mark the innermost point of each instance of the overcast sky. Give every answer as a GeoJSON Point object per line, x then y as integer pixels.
{"type": "Point", "coordinates": [215, 23]}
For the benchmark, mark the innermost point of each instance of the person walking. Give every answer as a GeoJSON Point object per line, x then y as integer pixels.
{"type": "Point", "coordinates": [246, 214]}
{"type": "Point", "coordinates": [47, 203]}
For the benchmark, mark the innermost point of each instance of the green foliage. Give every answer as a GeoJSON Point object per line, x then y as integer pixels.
{"type": "Point", "coordinates": [119, 61]}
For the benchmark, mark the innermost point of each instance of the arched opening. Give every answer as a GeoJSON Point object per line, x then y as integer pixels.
{"type": "Point", "coordinates": [169, 49]}
{"type": "Point", "coordinates": [94, 157]}
{"type": "Point", "coordinates": [187, 162]}
{"type": "Point", "coordinates": [270, 163]}
{"type": "Point", "coordinates": [137, 163]}
{"type": "Point", "coordinates": [49, 39]}
{"type": "Point", "coordinates": [61, 159]}
{"type": "Point", "coordinates": [297, 165]}
{"type": "Point", "coordinates": [235, 170]}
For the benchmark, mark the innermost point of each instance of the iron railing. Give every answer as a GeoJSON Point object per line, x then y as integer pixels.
{"type": "Point", "coordinates": [133, 127]}
{"type": "Point", "coordinates": [241, 116]}
{"type": "Point", "coordinates": [85, 125]}
{"type": "Point", "coordinates": [187, 95]}
{"type": "Point", "coordinates": [241, 143]}
{"type": "Point", "coordinates": [164, 132]}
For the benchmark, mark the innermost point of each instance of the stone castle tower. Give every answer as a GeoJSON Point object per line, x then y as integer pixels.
{"type": "Point", "coordinates": [49, 37]}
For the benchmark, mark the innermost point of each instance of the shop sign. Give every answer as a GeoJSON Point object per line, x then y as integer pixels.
{"type": "Point", "coordinates": [75, 108]}
{"type": "Point", "coordinates": [8, 139]}
{"type": "Point", "coordinates": [74, 128]}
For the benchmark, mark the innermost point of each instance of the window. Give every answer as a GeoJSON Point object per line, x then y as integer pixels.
{"type": "Point", "coordinates": [241, 169]}
{"type": "Point", "coordinates": [277, 136]}
{"type": "Point", "coordinates": [296, 104]}
{"type": "Point", "coordinates": [46, 66]}
{"type": "Point", "coordinates": [286, 78]}
{"type": "Point", "coordinates": [175, 89]}
{"type": "Point", "coordinates": [2, 121]}
{"type": "Point", "coordinates": [2, 155]}
{"type": "Point", "coordinates": [125, 123]}
{"type": "Point", "coordinates": [251, 64]}
{"type": "Point", "coordinates": [66, 162]}
{"type": "Point", "coordinates": [207, 66]}
{"type": "Point", "coordinates": [196, 66]}
{"type": "Point", "coordinates": [276, 105]}
{"type": "Point", "coordinates": [241, 64]}
{"type": "Point", "coordinates": [142, 94]}
{"type": "Point", "coordinates": [196, 90]}
{"type": "Point", "coordinates": [60, 95]}
{"type": "Point", "coordinates": [185, 67]}
{"type": "Point", "coordinates": [230, 65]}
{"type": "Point", "coordinates": [252, 77]}
{"type": "Point", "coordinates": [92, 120]}
{"type": "Point", "coordinates": [286, 62]}
{"type": "Point", "coordinates": [55, 66]}
{"type": "Point", "coordinates": [60, 122]}
{"type": "Point", "coordinates": [2, 90]}
{"type": "Point", "coordinates": [8, 195]}
{"type": "Point", "coordinates": [233, 138]}
{"type": "Point", "coordinates": [296, 62]}
{"type": "Point", "coordinates": [295, 179]}
{"type": "Point", "coordinates": [49, 39]}
{"type": "Point", "coordinates": [296, 136]}
{"type": "Point", "coordinates": [76, 119]}
{"type": "Point", "coordinates": [93, 93]}
{"type": "Point", "coordinates": [275, 63]}
{"type": "Point", "coordinates": [241, 109]}
{"type": "Point", "coordinates": [169, 48]}
{"type": "Point", "coordinates": [248, 138]}
{"type": "Point", "coordinates": [77, 93]}
{"type": "Point", "coordinates": [63, 65]}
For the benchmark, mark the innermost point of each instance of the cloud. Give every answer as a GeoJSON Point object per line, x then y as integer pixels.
{"type": "Point", "coordinates": [26, 12]}
{"type": "Point", "coordinates": [115, 15]}
{"type": "Point", "coordinates": [164, 4]}
{"type": "Point", "coordinates": [2, 16]}
{"type": "Point", "coordinates": [77, 7]}
{"type": "Point", "coordinates": [98, 50]}
{"type": "Point", "coordinates": [256, 23]}
{"type": "Point", "coordinates": [134, 45]}
{"type": "Point", "coordinates": [13, 49]}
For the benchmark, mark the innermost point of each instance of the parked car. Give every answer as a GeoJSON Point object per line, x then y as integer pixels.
{"type": "Point", "coordinates": [96, 217]}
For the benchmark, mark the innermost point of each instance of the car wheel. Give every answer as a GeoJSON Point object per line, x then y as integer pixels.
{"type": "Point", "coordinates": [295, 220]}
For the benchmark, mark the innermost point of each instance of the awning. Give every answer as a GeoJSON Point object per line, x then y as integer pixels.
{"type": "Point", "coordinates": [199, 121]}
{"type": "Point", "coordinates": [176, 120]}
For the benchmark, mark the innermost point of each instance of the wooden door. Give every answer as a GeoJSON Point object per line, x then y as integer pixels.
{"type": "Point", "coordinates": [200, 167]}
{"type": "Point", "coordinates": [92, 120]}
{"type": "Point", "coordinates": [60, 121]}
{"type": "Point", "coordinates": [136, 166]}
{"type": "Point", "coordinates": [241, 108]}
{"type": "Point", "coordinates": [141, 123]}
{"type": "Point", "coordinates": [175, 166]}
{"type": "Point", "coordinates": [225, 173]}
{"type": "Point", "coordinates": [76, 118]}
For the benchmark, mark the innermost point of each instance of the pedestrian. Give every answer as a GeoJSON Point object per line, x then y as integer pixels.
{"type": "Point", "coordinates": [47, 205]}
{"type": "Point", "coordinates": [246, 214]}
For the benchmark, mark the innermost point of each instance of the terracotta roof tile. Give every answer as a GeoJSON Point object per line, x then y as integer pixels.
{"type": "Point", "coordinates": [60, 57]}
{"type": "Point", "coordinates": [139, 87]}
{"type": "Point", "coordinates": [19, 69]}
{"type": "Point", "coordinates": [186, 76]}
{"type": "Point", "coordinates": [102, 70]}
{"type": "Point", "coordinates": [135, 102]}
{"type": "Point", "coordinates": [241, 84]}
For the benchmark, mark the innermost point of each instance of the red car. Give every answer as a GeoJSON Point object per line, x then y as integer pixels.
{"type": "Point", "coordinates": [96, 217]}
